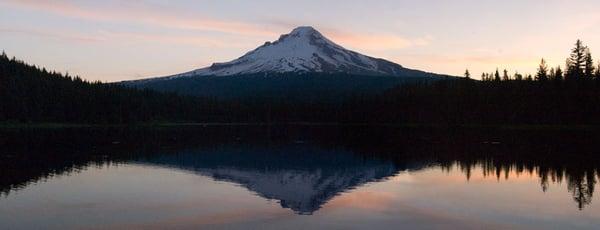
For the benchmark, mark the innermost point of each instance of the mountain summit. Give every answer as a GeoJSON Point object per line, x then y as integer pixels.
{"type": "Point", "coordinates": [304, 50]}
{"type": "Point", "coordinates": [301, 65]}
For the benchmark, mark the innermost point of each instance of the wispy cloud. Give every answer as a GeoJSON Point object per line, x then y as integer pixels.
{"type": "Point", "coordinates": [112, 36]}
{"type": "Point", "coordinates": [367, 41]}
{"type": "Point", "coordinates": [376, 42]}
{"type": "Point", "coordinates": [52, 35]}
{"type": "Point", "coordinates": [134, 12]}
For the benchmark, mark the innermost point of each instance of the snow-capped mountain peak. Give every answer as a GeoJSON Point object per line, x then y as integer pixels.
{"type": "Point", "coordinates": [303, 50]}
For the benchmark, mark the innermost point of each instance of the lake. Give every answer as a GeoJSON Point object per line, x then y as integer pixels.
{"type": "Point", "coordinates": [299, 177]}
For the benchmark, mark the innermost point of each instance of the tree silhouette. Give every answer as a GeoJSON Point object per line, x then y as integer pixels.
{"type": "Point", "coordinates": [576, 62]}
{"type": "Point", "coordinates": [597, 74]}
{"type": "Point", "coordinates": [505, 76]}
{"type": "Point", "coordinates": [518, 76]}
{"type": "Point", "coordinates": [467, 74]}
{"type": "Point", "coordinates": [542, 74]}
{"type": "Point", "coordinates": [497, 75]}
{"type": "Point", "coordinates": [589, 67]}
{"type": "Point", "coordinates": [558, 74]}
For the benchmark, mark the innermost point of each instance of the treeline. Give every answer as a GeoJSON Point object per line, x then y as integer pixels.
{"type": "Point", "coordinates": [579, 66]}
{"type": "Point", "coordinates": [31, 94]}
{"type": "Point", "coordinates": [551, 96]}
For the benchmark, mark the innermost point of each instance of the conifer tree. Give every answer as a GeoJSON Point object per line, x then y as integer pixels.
{"type": "Point", "coordinates": [542, 74]}
{"type": "Point", "coordinates": [467, 74]}
{"type": "Point", "coordinates": [597, 74]}
{"type": "Point", "coordinates": [589, 67]}
{"type": "Point", "coordinates": [576, 62]}
{"type": "Point", "coordinates": [518, 76]}
{"type": "Point", "coordinates": [558, 74]}
{"type": "Point", "coordinates": [505, 76]}
{"type": "Point", "coordinates": [497, 75]}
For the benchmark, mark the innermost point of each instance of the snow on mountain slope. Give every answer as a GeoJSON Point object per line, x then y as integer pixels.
{"type": "Point", "coordinates": [302, 50]}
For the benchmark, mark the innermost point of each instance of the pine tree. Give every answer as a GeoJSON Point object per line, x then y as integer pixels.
{"type": "Point", "coordinates": [483, 77]}
{"type": "Point", "coordinates": [529, 77]}
{"type": "Point", "coordinates": [589, 67]}
{"type": "Point", "coordinates": [558, 74]}
{"type": "Point", "coordinates": [505, 76]}
{"type": "Point", "coordinates": [518, 76]}
{"type": "Point", "coordinates": [597, 73]}
{"type": "Point", "coordinates": [467, 74]}
{"type": "Point", "coordinates": [497, 75]}
{"type": "Point", "coordinates": [576, 62]}
{"type": "Point", "coordinates": [542, 74]}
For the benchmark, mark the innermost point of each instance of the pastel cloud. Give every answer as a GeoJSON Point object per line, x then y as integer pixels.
{"type": "Point", "coordinates": [133, 12]}
{"type": "Point", "coordinates": [139, 13]}
{"type": "Point", "coordinates": [376, 42]}
{"type": "Point", "coordinates": [51, 34]}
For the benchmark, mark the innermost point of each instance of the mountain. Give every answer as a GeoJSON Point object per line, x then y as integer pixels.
{"type": "Point", "coordinates": [303, 63]}
{"type": "Point", "coordinates": [303, 50]}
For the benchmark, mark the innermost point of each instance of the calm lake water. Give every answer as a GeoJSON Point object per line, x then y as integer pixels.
{"type": "Point", "coordinates": [298, 177]}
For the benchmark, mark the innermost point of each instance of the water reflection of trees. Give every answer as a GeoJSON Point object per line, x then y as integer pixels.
{"type": "Point", "coordinates": [565, 157]}
{"type": "Point", "coordinates": [580, 181]}
{"type": "Point", "coordinates": [554, 156]}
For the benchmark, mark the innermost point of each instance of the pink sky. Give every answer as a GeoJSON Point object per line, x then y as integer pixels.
{"type": "Point", "coordinates": [118, 40]}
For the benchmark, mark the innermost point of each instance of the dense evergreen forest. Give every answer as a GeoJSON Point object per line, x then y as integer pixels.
{"type": "Point", "coordinates": [551, 96]}
{"type": "Point", "coordinates": [30, 94]}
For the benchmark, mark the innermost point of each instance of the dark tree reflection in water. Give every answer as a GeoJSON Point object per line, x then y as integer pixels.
{"type": "Point", "coordinates": [580, 181]}
{"type": "Point", "coordinates": [554, 156]}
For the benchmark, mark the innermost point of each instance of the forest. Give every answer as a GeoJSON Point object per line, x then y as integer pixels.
{"type": "Point", "coordinates": [553, 96]}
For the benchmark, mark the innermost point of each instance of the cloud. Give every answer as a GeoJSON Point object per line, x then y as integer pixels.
{"type": "Point", "coordinates": [376, 42]}
{"type": "Point", "coordinates": [112, 36]}
{"type": "Point", "coordinates": [147, 14]}
{"type": "Point", "coordinates": [52, 35]}
{"type": "Point", "coordinates": [201, 41]}
{"type": "Point", "coordinates": [365, 40]}
{"type": "Point", "coordinates": [136, 12]}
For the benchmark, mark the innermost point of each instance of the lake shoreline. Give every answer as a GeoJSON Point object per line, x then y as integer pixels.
{"type": "Point", "coordinates": [254, 124]}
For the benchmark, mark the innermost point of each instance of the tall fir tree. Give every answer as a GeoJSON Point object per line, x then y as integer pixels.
{"type": "Point", "coordinates": [467, 74]}
{"type": "Point", "coordinates": [497, 75]}
{"type": "Point", "coordinates": [589, 67]}
{"type": "Point", "coordinates": [542, 74]}
{"type": "Point", "coordinates": [518, 76]}
{"type": "Point", "coordinates": [552, 74]}
{"type": "Point", "coordinates": [529, 77]}
{"type": "Point", "coordinates": [558, 74]}
{"type": "Point", "coordinates": [576, 62]}
{"type": "Point", "coordinates": [505, 76]}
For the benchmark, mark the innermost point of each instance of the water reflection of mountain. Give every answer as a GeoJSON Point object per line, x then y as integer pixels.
{"type": "Point", "coordinates": [273, 163]}
{"type": "Point", "coordinates": [301, 177]}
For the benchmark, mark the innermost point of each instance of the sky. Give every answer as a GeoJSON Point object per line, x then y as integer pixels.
{"type": "Point", "coordinates": [114, 40]}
